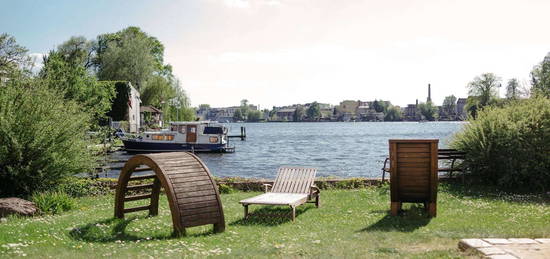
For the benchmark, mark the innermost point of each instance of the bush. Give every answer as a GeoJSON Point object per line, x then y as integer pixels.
{"type": "Point", "coordinates": [53, 202]}
{"type": "Point", "coordinates": [42, 139]}
{"type": "Point", "coordinates": [510, 146]}
{"type": "Point", "coordinates": [224, 188]}
{"type": "Point", "coordinates": [79, 187]}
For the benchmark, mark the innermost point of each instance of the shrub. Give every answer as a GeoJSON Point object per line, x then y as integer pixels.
{"type": "Point", "coordinates": [224, 188]}
{"type": "Point", "coordinates": [42, 139]}
{"type": "Point", "coordinates": [510, 146]}
{"type": "Point", "coordinates": [79, 187]}
{"type": "Point", "coordinates": [53, 202]}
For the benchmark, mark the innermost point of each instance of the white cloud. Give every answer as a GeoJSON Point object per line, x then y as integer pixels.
{"type": "Point", "coordinates": [37, 61]}
{"type": "Point", "coordinates": [237, 3]}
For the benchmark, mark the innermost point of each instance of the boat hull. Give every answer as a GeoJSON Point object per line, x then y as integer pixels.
{"type": "Point", "coordinates": [143, 146]}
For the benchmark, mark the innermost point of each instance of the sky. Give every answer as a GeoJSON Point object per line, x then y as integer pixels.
{"type": "Point", "coordinates": [282, 52]}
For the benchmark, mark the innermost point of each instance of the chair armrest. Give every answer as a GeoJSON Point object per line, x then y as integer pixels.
{"type": "Point", "coordinates": [384, 168]}
{"type": "Point", "coordinates": [315, 190]}
{"type": "Point", "coordinates": [266, 186]}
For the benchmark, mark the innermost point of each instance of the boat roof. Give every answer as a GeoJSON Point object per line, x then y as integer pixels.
{"type": "Point", "coordinates": [194, 122]}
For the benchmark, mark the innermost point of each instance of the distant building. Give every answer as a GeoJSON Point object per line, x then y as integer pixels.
{"type": "Point", "coordinates": [286, 114]}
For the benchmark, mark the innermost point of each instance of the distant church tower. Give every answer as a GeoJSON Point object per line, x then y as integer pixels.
{"type": "Point", "coordinates": [429, 93]}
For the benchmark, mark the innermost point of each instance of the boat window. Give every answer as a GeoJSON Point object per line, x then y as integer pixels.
{"type": "Point", "coordinates": [213, 130]}
{"type": "Point", "coordinates": [169, 137]}
{"type": "Point", "coordinates": [158, 137]}
{"type": "Point", "coordinates": [182, 129]}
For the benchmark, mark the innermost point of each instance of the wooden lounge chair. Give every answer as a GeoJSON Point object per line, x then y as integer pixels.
{"type": "Point", "coordinates": [293, 187]}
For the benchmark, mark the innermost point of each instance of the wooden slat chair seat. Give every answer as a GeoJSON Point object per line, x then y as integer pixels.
{"type": "Point", "coordinates": [293, 187]}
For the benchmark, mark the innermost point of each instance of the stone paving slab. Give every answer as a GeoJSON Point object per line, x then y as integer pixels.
{"type": "Point", "coordinates": [501, 248]}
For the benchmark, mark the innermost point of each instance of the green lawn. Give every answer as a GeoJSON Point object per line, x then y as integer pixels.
{"type": "Point", "coordinates": [350, 223]}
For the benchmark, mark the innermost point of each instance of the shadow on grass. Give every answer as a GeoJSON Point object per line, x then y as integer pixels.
{"type": "Point", "coordinates": [470, 191]}
{"type": "Point", "coordinates": [270, 216]}
{"type": "Point", "coordinates": [110, 230]}
{"type": "Point", "coordinates": [408, 221]}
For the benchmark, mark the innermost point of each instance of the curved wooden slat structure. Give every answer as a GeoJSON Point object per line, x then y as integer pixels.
{"type": "Point", "coordinates": [192, 192]}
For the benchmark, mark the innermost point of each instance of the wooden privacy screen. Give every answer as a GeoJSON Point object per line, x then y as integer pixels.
{"type": "Point", "coordinates": [413, 167]}
{"type": "Point", "coordinates": [192, 192]}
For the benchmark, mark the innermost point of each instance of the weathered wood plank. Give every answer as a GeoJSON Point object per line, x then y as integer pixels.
{"type": "Point", "coordinates": [182, 201]}
{"type": "Point", "coordinates": [139, 187]}
{"type": "Point", "coordinates": [142, 177]}
{"type": "Point", "coordinates": [190, 179]}
{"type": "Point", "coordinates": [137, 197]}
{"type": "Point", "coordinates": [195, 193]}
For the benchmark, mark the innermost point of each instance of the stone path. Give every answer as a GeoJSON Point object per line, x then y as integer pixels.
{"type": "Point", "coordinates": [498, 248]}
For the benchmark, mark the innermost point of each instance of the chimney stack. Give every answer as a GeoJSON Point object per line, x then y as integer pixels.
{"type": "Point", "coordinates": [429, 93]}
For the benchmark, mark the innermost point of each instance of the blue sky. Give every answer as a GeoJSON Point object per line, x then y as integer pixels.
{"type": "Point", "coordinates": [280, 52]}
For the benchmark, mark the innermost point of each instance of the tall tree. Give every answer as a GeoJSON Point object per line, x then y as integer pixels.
{"type": "Point", "coordinates": [485, 87]}
{"type": "Point", "coordinates": [78, 50]}
{"type": "Point", "coordinates": [157, 92]}
{"type": "Point", "coordinates": [449, 105]}
{"type": "Point", "coordinates": [74, 82]}
{"type": "Point", "coordinates": [540, 78]}
{"type": "Point", "coordinates": [314, 111]}
{"type": "Point", "coordinates": [128, 59]}
{"type": "Point", "coordinates": [13, 57]}
{"type": "Point", "coordinates": [512, 89]}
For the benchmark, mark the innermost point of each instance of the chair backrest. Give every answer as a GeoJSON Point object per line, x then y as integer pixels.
{"type": "Point", "coordinates": [294, 180]}
{"type": "Point", "coordinates": [413, 170]}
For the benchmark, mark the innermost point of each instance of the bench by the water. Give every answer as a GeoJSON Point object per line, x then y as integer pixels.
{"type": "Point", "coordinates": [451, 155]}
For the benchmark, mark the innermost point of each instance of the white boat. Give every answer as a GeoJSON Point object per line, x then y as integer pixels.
{"type": "Point", "coordinates": [196, 136]}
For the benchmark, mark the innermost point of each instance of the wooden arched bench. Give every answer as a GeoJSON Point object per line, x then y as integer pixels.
{"type": "Point", "coordinates": [192, 192]}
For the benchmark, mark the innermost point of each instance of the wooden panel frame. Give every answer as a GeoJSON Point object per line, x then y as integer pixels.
{"type": "Point", "coordinates": [430, 202]}
{"type": "Point", "coordinates": [159, 163]}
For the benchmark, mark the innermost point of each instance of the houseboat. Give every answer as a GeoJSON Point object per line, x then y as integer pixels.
{"type": "Point", "coordinates": [196, 136]}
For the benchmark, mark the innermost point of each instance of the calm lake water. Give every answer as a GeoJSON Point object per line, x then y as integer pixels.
{"type": "Point", "coordinates": [341, 149]}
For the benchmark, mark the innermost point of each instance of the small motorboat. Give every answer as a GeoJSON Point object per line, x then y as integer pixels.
{"type": "Point", "coordinates": [195, 136]}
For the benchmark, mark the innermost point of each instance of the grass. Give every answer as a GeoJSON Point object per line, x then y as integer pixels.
{"type": "Point", "coordinates": [350, 223]}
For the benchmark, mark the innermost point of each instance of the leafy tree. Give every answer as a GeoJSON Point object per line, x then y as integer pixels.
{"type": "Point", "coordinates": [178, 108]}
{"type": "Point", "coordinates": [157, 91]}
{"type": "Point", "coordinates": [299, 113]}
{"type": "Point", "coordinates": [393, 113]}
{"type": "Point", "coordinates": [75, 83]}
{"type": "Point", "coordinates": [485, 88]}
{"type": "Point", "coordinates": [238, 116]}
{"type": "Point", "coordinates": [428, 110]}
{"type": "Point", "coordinates": [512, 89]}
{"type": "Point", "coordinates": [540, 78]}
{"type": "Point", "coordinates": [377, 106]}
{"type": "Point", "coordinates": [78, 51]}
{"type": "Point", "coordinates": [204, 106]}
{"type": "Point", "coordinates": [254, 116]}
{"type": "Point", "coordinates": [314, 111]}
{"type": "Point", "coordinates": [128, 59]}
{"type": "Point", "coordinates": [449, 105]}
{"type": "Point", "coordinates": [42, 138]}
{"type": "Point", "coordinates": [13, 57]}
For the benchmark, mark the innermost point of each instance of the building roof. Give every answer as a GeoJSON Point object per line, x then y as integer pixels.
{"type": "Point", "coordinates": [149, 109]}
